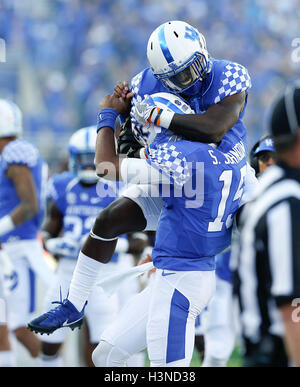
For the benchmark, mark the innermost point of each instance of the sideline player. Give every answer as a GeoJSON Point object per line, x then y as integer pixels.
{"type": "Point", "coordinates": [22, 175]}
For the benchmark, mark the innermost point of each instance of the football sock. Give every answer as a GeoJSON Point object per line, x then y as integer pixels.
{"type": "Point", "coordinates": [84, 279]}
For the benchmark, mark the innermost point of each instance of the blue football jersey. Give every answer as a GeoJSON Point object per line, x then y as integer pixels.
{"type": "Point", "coordinates": [22, 152]}
{"type": "Point", "coordinates": [196, 221]}
{"type": "Point", "coordinates": [80, 204]}
{"type": "Point", "coordinates": [223, 270]}
{"type": "Point", "coordinates": [226, 78]}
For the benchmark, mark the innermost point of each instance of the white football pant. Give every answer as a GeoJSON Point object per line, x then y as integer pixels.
{"type": "Point", "coordinates": [161, 319]}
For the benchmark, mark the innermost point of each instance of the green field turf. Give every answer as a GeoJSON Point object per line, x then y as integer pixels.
{"type": "Point", "coordinates": [235, 360]}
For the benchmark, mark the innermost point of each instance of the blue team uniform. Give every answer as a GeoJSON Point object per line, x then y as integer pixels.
{"type": "Point", "coordinates": [24, 153]}
{"type": "Point", "coordinates": [223, 270]}
{"type": "Point", "coordinates": [226, 78]}
{"type": "Point", "coordinates": [190, 238]}
{"type": "Point", "coordinates": [79, 204]}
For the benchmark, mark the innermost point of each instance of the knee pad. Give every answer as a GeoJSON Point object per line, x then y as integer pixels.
{"type": "Point", "coordinates": [108, 355]}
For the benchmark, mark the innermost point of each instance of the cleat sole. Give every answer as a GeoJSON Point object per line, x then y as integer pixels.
{"type": "Point", "coordinates": [49, 331]}
{"type": "Point", "coordinates": [41, 331]}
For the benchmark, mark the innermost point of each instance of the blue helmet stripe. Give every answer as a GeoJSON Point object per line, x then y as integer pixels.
{"type": "Point", "coordinates": [163, 45]}
{"type": "Point", "coordinates": [169, 104]}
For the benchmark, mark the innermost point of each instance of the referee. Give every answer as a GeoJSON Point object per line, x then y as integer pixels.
{"type": "Point", "coordinates": [268, 271]}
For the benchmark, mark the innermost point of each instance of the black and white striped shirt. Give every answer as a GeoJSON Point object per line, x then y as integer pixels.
{"type": "Point", "coordinates": [268, 268]}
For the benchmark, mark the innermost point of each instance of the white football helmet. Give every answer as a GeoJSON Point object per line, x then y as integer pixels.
{"type": "Point", "coordinates": [172, 102]}
{"type": "Point", "coordinates": [82, 154]}
{"type": "Point", "coordinates": [167, 101]}
{"type": "Point", "coordinates": [178, 56]}
{"type": "Point", "coordinates": [10, 119]}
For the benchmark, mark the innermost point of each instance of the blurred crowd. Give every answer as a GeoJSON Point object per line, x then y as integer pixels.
{"type": "Point", "coordinates": [63, 56]}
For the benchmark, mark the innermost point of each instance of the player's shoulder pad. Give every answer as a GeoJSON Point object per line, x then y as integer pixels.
{"type": "Point", "coordinates": [58, 183]}
{"type": "Point", "coordinates": [229, 78]}
{"type": "Point", "coordinates": [20, 152]}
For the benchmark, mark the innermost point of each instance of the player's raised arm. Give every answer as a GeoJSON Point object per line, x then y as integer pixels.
{"type": "Point", "coordinates": [106, 159]}
{"type": "Point", "coordinates": [109, 164]}
{"type": "Point", "coordinates": [208, 127]}
{"type": "Point", "coordinates": [213, 124]}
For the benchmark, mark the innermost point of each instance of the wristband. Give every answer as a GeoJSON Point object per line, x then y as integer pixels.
{"type": "Point", "coordinates": [107, 118]}
{"type": "Point", "coordinates": [161, 117]}
{"type": "Point", "coordinates": [6, 225]}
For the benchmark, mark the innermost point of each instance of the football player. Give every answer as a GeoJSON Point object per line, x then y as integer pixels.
{"type": "Point", "coordinates": [76, 197]}
{"type": "Point", "coordinates": [139, 213]}
{"type": "Point", "coordinates": [22, 174]}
